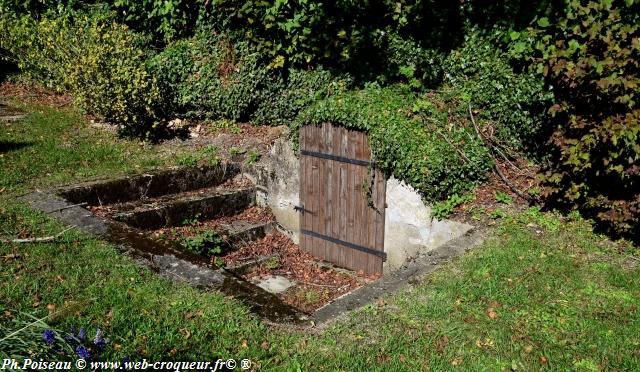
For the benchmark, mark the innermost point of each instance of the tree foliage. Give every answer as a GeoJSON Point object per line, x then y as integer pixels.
{"type": "Point", "coordinates": [592, 59]}
{"type": "Point", "coordinates": [557, 78]}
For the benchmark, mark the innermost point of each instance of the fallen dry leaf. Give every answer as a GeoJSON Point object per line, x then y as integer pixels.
{"type": "Point", "coordinates": [491, 313]}
{"type": "Point", "coordinates": [528, 349]}
{"type": "Point", "coordinates": [383, 357]}
{"type": "Point", "coordinates": [456, 362]}
{"type": "Point", "coordinates": [11, 256]}
{"type": "Point", "coordinates": [186, 333]}
{"type": "Point", "coordinates": [543, 360]}
{"type": "Point", "coordinates": [192, 314]}
{"type": "Point", "coordinates": [109, 317]}
{"type": "Point", "coordinates": [441, 343]}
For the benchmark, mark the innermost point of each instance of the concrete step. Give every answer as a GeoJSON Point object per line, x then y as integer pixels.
{"type": "Point", "coordinates": [241, 232]}
{"type": "Point", "coordinates": [173, 210]}
{"type": "Point", "coordinates": [149, 185]}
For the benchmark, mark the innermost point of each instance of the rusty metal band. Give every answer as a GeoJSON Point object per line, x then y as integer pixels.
{"type": "Point", "coordinates": [360, 248]}
{"type": "Point", "coordinates": [342, 159]}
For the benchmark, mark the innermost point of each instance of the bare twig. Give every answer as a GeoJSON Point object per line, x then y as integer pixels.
{"type": "Point", "coordinates": [320, 285]}
{"type": "Point", "coordinates": [68, 207]}
{"type": "Point", "coordinates": [494, 144]}
{"type": "Point", "coordinates": [43, 239]}
{"type": "Point", "coordinates": [460, 152]}
{"type": "Point", "coordinates": [342, 288]}
{"type": "Point", "coordinates": [495, 161]}
{"type": "Point", "coordinates": [496, 149]}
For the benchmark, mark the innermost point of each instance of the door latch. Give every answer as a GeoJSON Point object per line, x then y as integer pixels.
{"type": "Point", "coordinates": [299, 208]}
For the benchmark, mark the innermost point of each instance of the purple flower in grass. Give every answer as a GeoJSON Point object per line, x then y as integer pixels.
{"type": "Point", "coordinates": [99, 340]}
{"type": "Point", "coordinates": [82, 334]}
{"type": "Point", "coordinates": [49, 336]}
{"type": "Point", "coordinates": [70, 338]}
{"type": "Point", "coordinates": [83, 352]}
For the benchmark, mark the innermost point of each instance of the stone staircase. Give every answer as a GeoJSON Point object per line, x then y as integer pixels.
{"type": "Point", "coordinates": [139, 204]}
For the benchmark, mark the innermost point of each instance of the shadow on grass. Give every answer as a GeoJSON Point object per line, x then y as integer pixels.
{"type": "Point", "coordinates": [8, 146]}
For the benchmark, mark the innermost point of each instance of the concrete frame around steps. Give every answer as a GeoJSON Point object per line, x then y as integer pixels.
{"type": "Point", "coordinates": [162, 258]}
{"type": "Point", "coordinates": [183, 267]}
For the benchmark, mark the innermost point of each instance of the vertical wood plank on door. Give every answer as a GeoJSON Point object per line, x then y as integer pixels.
{"type": "Point", "coordinates": [369, 231]}
{"type": "Point", "coordinates": [318, 244]}
{"type": "Point", "coordinates": [304, 189]}
{"type": "Point", "coordinates": [330, 199]}
{"type": "Point", "coordinates": [343, 196]}
{"type": "Point", "coordinates": [317, 218]}
{"type": "Point", "coordinates": [381, 203]}
{"type": "Point", "coordinates": [361, 259]}
{"type": "Point", "coordinates": [312, 188]}
{"type": "Point", "coordinates": [351, 200]}
{"type": "Point", "coordinates": [336, 227]}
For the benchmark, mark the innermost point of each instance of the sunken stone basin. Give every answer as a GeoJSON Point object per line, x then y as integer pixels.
{"type": "Point", "coordinates": [165, 198]}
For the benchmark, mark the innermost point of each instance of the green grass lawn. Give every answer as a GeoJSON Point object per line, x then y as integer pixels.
{"type": "Point", "coordinates": [543, 292]}
{"type": "Point", "coordinates": [53, 146]}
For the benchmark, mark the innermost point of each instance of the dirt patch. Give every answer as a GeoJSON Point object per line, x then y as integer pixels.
{"type": "Point", "coordinates": [238, 182]}
{"type": "Point", "coordinates": [33, 94]}
{"type": "Point", "coordinates": [237, 142]}
{"type": "Point", "coordinates": [495, 198]}
{"type": "Point", "coordinates": [316, 283]}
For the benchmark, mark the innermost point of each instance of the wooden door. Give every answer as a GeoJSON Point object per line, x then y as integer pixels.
{"type": "Point", "coordinates": [342, 199]}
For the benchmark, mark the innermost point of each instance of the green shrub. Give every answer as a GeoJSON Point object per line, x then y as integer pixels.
{"type": "Point", "coordinates": [209, 76]}
{"type": "Point", "coordinates": [513, 103]}
{"type": "Point", "coordinates": [405, 60]}
{"type": "Point", "coordinates": [282, 98]}
{"type": "Point", "coordinates": [207, 243]}
{"type": "Point", "coordinates": [38, 8]}
{"type": "Point", "coordinates": [591, 57]}
{"type": "Point", "coordinates": [443, 209]}
{"type": "Point", "coordinates": [435, 155]}
{"type": "Point", "coordinates": [166, 19]}
{"type": "Point", "coordinates": [98, 61]}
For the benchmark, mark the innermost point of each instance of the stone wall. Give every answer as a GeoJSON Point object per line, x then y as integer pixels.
{"type": "Point", "coordinates": [277, 178]}
{"type": "Point", "coordinates": [410, 229]}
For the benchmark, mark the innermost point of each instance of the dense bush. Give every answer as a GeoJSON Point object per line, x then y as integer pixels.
{"type": "Point", "coordinates": [39, 8]}
{"type": "Point", "coordinates": [592, 58]}
{"type": "Point", "coordinates": [208, 76]}
{"type": "Point", "coordinates": [511, 102]}
{"type": "Point", "coordinates": [284, 96]}
{"type": "Point", "coordinates": [164, 20]}
{"type": "Point", "coordinates": [435, 155]}
{"type": "Point", "coordinates": [99, 62]}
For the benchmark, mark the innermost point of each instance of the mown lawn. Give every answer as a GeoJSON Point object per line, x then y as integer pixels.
{"type": "Point", "coordinates": [543, 292]}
